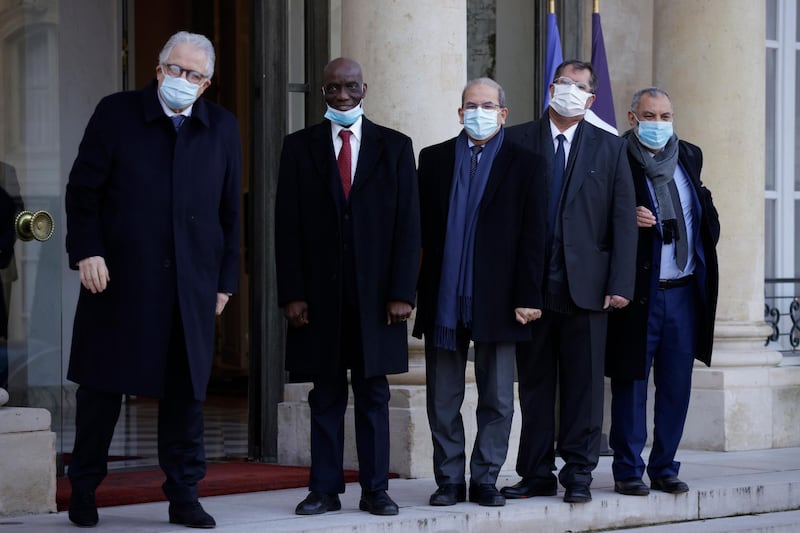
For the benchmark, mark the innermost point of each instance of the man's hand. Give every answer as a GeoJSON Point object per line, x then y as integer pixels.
{"type": "Point", "coordinates": [615, 302]}
{"type": "Point", "coordinates": [296, 313]}
{"type": "Point", "coordinates": [526, 314]}
{"type": "Point", "coordinates": [644, 217]}
{"type": "Point", "coordinates": [94, 273]}
{"type": "Point", "coordinates": [222, 299]}
{"type": "Point", "coordinates": [397, 311]}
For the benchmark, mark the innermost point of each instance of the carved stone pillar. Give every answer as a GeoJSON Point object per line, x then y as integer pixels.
{"type": "Point", "coordinates": [710, 57]}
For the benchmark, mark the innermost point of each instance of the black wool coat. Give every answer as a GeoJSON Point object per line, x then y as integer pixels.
{"type": "Point", "coordinates": [384, 216]}
{"type": "Point", "coordinates": [162, 208]}
{"type": "Point", "coordinates": [509, 240]}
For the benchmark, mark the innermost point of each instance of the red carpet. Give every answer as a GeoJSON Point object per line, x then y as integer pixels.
{"type": "Point", "coordinates": [142, 486]}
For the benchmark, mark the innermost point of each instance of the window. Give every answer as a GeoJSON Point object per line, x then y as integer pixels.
{"type": "Point", "coordinates": [782, 183]}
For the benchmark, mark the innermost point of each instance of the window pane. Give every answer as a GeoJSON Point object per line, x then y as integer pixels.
{"type": "Point", "coordinates": [796, 239]}
{"type": "Point", "coordinates": [769, 236]}
{"type": "Point", "coordinates": [770, 120]}
{"type": "Point", "coordinates": [797, 122]}
{"type": "Point", "coordinates": [772, 11]}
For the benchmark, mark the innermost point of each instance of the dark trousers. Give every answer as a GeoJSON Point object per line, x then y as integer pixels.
{"type": "Point", "coordinates": [671, 334]}
{"type": "Point", "coordinates": [181, 453]}
{"type": "Point", "coordinates": [328, 404]}
{"type": "Point", "coordinates": [445, 380]}
{"type": "Point", "coordinates": [568, 349]}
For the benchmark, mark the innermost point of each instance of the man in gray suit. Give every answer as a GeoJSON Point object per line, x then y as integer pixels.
{"type": "Point", "coordinates": [591, 245]}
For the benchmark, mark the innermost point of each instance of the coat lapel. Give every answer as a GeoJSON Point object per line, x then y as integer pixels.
{"type": "Point", "coordinates": [321, 149]}
{"type": "Point", "coordinates": [498, 173]}
{"type": "Point", "coordinates": [576, 173]}
{"type": "Point", "coordinates": [369, 153]}
{"type": "Point", "coordinates": [446, 167]}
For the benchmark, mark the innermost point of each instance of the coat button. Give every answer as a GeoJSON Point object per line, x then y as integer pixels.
{"type": "Point", "coordinates": [347, 216]}
{"type": "Point", "coordinates": [167, 263]}
{"type": "Point", "coordinates": [333, 277]}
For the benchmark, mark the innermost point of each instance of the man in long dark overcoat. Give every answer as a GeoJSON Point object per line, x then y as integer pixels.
{"type": "Point", "coordinates": [153, 227]}
{"type": "Point", "coordinates": [347, 249]}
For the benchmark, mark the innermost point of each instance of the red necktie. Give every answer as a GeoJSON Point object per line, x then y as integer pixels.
{"type": "Point", "coordinates": [344, 162]}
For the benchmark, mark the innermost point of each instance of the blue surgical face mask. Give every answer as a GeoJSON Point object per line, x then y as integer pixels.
{"type": "Point", "coordinates": [177, 92]}
{"type": "Point", "coordinates": [345, 118]}
{"type": "Point", "coordinates": [480, 123]}
{"type": "Point", "coordinates": [653, 134]}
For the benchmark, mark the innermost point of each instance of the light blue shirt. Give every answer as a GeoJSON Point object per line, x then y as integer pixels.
{"type": "Point", "coordinates": [669, 266]}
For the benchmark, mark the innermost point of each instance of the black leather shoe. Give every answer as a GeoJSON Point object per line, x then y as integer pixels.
{"type": "Point", "coordinates": [528, 487]}
{"type": "Point", "coordinates": [83, 509]}
{"type": "Point", "coordinates": [318, 503]}
{"type": "Point", "coordinates": [449, 494]}
{"type": "Point", "coordinates": [631, 487]}
{"type": "Point", "coordinates": [190, 515]}
{"type": "Point", "coordinates": [377, 502]}
{"type": "Point", "coordinates": [487, 495]}
{"type": "Point", "coordinates": [670, 484]}
{"type": "Point", "coordinates": [577, 494]}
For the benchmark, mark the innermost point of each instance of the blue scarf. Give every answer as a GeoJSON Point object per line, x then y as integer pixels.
{"type": "Point", "coordinates": [454, 305]}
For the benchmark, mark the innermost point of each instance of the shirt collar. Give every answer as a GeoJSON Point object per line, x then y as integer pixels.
{"type": "Point", "coordinates": [568, 133]}
{"type": "Point", "coordinates": [355, 127]}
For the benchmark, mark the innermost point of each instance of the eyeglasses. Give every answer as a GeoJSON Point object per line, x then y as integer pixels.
{"type": "Point", "coordinates": [487, 106]}
{"type": "Point", "coordinates": [583, 86]}
{"type": "Point", "coordinates": [335, 88]}
{"type": "Point", "coordinates": [192, 76]}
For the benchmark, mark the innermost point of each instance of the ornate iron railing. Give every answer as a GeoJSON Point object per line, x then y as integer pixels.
{"type": "Point", "coordinates": [782, 312]}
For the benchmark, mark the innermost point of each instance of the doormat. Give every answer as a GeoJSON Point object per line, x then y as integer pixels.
{"type": "Point", "coordinates": [144, 486]}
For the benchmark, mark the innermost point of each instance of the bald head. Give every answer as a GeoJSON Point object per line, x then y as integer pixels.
{"type": "Point", "coordinates": [343, 84]}
{"type": "Point", "coordinates": [341, 64]}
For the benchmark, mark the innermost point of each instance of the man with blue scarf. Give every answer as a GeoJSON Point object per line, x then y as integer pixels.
{"type": "Point", "coordinates": [483, 208]}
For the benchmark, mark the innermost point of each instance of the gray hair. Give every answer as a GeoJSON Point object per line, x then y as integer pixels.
{"type": "Point", "coordinates": [650, 91]}
{"type": "Point", "coordinates": [488, 82]}
{"type": "Point", "coordinates": [197, 40]}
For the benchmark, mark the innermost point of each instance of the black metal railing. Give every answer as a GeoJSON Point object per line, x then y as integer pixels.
{"type": "Point", "coordinates": [782, 312]}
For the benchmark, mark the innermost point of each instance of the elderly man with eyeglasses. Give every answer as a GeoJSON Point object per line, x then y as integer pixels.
{"type": "Point", "coordinates": [152, 209]}
{"type": "Point", "coordinates": [482, 204]}
{"type": "Point", "coordinates": [591, 251]}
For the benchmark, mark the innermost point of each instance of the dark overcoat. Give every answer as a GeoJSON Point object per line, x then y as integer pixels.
{"type": "Point", "coordinates": [509, 240]}
{"type": "Point", "coordinates": [384, 211]}
{"type": "Point", "coordinates": [162, 208]}
{"type": "Point", "coordinates": [627, 333]}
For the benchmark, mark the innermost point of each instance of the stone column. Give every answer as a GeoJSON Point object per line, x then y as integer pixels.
{"type": "Point", "coordinates": [413, 54]}
{"type": "Point", "coordinates": [710, 57]}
